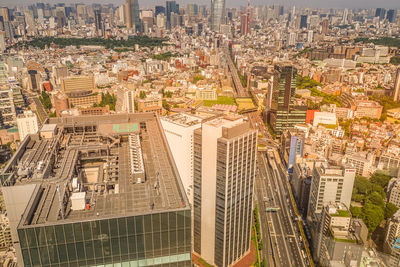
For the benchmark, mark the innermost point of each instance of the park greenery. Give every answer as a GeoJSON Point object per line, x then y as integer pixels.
{"type": "Point", "coordinates": [225, 100]}
{"type": "Point", "coordinates": [42, 42]}
{"type": "Point", "coordinates": [142, 95]}
{"type": "Point", "coordinates": [304, 82]}
{"type": "Point", "coordinates": [164, 56]}
{"type": "Point", "coordinates": [387, 103]}
{"type": "Point", "coordinates": [197, 78]}
{"type": "Point", "coordinates": [386, 41]}
{"type": "Point", "coordinates": [395, 60]}
{"type": "Point", "coordinates": [370, 193]}
{"type": "Point", "coordinates": [107, 99]}
{"type": "Point", "coordinates": [46, 101]}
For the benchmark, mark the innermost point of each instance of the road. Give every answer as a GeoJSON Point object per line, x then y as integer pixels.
{"type": "Point", "coordinates": [42, 114]}
{"type": "Point", "coordinates": [240, 90]}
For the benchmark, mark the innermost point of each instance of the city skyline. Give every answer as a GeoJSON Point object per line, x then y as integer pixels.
{"type": "Point", "coordinates": [236, 3]}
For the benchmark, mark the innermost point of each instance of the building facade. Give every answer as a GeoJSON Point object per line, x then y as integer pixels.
{"type": "Point", "coordinates": [27, 124]}
{"type": "Point", "coordinates": [132, 15]}
{"type": "Point", "coordinates": [224, 172]}
{"type": "Point", "coordinates": [217, 14]}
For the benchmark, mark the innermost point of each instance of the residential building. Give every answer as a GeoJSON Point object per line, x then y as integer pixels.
{"type": "Point", "coordinates": [393, 192]}
{"type": "Point", "coordinates": [125, 100]}
{"type": "Point", "coordinates": [368, 109]}
{"type": "Point", "coordinates": [7, 107]}
{"type": "Point", "coordinates": [107, 192]}
{"type": "Point", "coordinates": [392, 231]}
{"type": "Point", "coordinates": [285, 113]}
{"type": "Point", "coordinates": [27, 124]}
{"type": "Point", "coordinates": [394, 260]}
{"type": "Point", "coordinates": [224, 172]}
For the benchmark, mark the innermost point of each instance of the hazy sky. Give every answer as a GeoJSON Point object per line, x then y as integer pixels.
{"type": "Point", "coordinates": [303, 3]}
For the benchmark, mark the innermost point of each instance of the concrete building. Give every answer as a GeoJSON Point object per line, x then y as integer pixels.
{"type": "Point", "coordinates": [7, 107]}
{"type": "Point", "coordinates": [125, 100]}
{"type": "Point", "coordinates": [27, 124]}
{"type": "Point", "coordinates": [392, 231]}
{"type": "Point", "coordinates": [179, 130]}
{"type": "Point", "coordinates": [393, 192]}
{"type": "Point", "coordinates": [368, 109]}
{"type": "Point", "coordinates": [362, 162]}
{"type": "Point", "coordinates": [396, 89]}
{"type": "Point", "coordinates": [80, 91]}
{"type": "Point", "coordinates": [224, 173]}
{"type": "Point", "coordinates": [335, 242]}
{"type": "Point", "coordinates": [301, 182]}
{"type": "Point", "coordinates": [100, 190]}
{"type": "Point", "coordinates": [326, 118]}
{"type": "Point", "coordinates": [330, 184]}
{"type": "Point", "coordinates": [217, 14]}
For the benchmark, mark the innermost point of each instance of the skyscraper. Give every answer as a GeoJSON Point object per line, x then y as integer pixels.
{"type": "Point", "coordinates": [217, 14]}
{"type": "Point", "coordinates": [285, 113]}
{"type": "Point", "coordinates": [380, 12]}
{"type": "Point", "coordinates": [99, 23]}
{"type": "Point", "coordinates": [224, 172]}
{"type": "Point", "coordinates": [4, 12]}
{"type": "Point", "coordinates": [396, 89]}
{"type": "Point", "coordinates": [171, 7]}
{"type": "Point", "coordinates": [244, 24]}
{"type": "Point", "coordinates": [391, 15]}
{"type": "Point", "coordinates": [132, 15]}
{"type": "Point", "coordinates": [303, 21]}
{"type": "Point", "coordinates": [159, 10]}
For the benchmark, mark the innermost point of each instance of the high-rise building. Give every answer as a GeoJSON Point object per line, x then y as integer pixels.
{"type": "Point", "coordinates": [5, 13]}
{"type": "Point", "coordinates": [244, 24]}
{"type": "Point", "coordinates": [396, 89]}
{"type": "Point", "coordinates": [285, 113]}
{"type": "Point", "coordinates": [179, 130]}
{"type": "Point", "coordinates": [303, 21]}
{"type": "Point", "coordinates": [391, 15]}
{"type": "Point", "coordinates": [217, 14]}
{"type": "Point", "coordinates": [380, 12]}
{"type": "Point", "coordinates": [224, 172]}
{"type": "Point", "coordinates": [27, 124]}
{"type": "Point", "coordinates": [98, 23]}
{"type": "Point", "coordinates": [292, 147]}
{"type": "Point", "coordinates": [171, 7]}
{"type": "Point", "coordinates": [2, 41]}
{"type": "Point", "coordinates": [392, 231]}
{"type": "Point", "coordinates": [192, 10]}
{"type": "Point", "coordinates": [7, 107]}
{"type": "Point", "coordinates": [132, 15]}
{"type": "Point", "coordinates": [97, 192]}
{"type": "Point", "coordinates": [125, 100]}
{"type": "Point", "coordinates": [330, 184]}
{"type": "Point", "coordinates": [159, 10]}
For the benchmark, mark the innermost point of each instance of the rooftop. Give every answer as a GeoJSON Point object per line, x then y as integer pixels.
{"type": "Point", "coordinates": [108, 166]}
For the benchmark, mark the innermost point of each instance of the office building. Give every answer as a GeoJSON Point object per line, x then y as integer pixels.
{"type": "Point", "coordinates": [393, 192]}
{"type": "Point", "coordinates": [303, 21]}
{"type": "Point", "coordinates": [394, 260]}
{"type": "Point", "coordinates": [97, 191]}
{"type": "Point", "coordinates": [285, 113]}
{"type": "Point", "coordinates": [132, 15]}
{"type": "Point", "coordinates": [380, 12]}
{"type": "Point", "coordinates": [217, 14]}
{"type": "Point", "coordinates": [2, 41]}
{"type": "Point", "coordinates": [98, 23]}
{"type": "Point", "coordinates": [330, 184]}
{"type": "Point", "coordinates": [179, 130]}
{"type": "Point", "coordinates": [171, 8]}
{"type": "Point", "coordinates": [192, 10]}
{"type": "Point", "coordinates": [224, 171]}
{"type": "Point", "coordinates": [362, 162]}
{"type": "Point", "coordinates": [27, 124]}
{"type": "Point", "coordinates": [301, 182]}
{"type": "Point", "coordinates": [292, 147]}
{"type": "Point", "coordinates": [396, 89]}
{"type": "Point", "coordinates": [391, 15]}
{"type": "Point", "coordinates": [244, 24]}
{"type": "Point", "coordinates": [80, 91]}
{"type": "Point", "coordinates": [159, 10]}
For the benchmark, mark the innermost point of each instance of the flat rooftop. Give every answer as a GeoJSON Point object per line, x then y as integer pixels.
{"type": "Point", "coordinates": [121, 162]}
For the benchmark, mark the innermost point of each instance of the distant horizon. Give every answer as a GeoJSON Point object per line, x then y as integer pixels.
{"type": "Point", "coordinates": [339, 4]}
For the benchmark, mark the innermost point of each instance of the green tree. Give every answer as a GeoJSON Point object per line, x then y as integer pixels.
{"type": "Point", "coordinates": [390, 209]}
{"type": "Point", "coordinates": [142, 94]}
{"type": "Point", "coordinates": [375, 198]}
{"type": "Point", "coordinates": [356, 211]}
{"type": "Point", "coordinates": [380, 179]}
{"type": "Point", "coordinates": [372, 216]}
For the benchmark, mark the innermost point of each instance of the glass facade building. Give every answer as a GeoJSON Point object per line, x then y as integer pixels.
{"type": "Point", "coordinates": [160, 239]}
{"type": "Point", "coordinates": [284, 113]}
{"type": "Point", "coordinates": [217, 13]}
